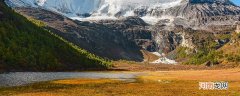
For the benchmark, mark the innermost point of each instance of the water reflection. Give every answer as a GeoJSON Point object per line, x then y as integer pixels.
{"type": "Point", "coordinates": [22, 78]}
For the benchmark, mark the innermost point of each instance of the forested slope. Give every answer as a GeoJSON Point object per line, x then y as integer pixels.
{"type": "Point", "coordinates": [24, 46]}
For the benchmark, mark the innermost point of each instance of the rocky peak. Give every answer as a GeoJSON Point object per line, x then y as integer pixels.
{"type": "Point", "coordinates": [202, 13]}
{"type": "Point", "coordinates": [133, 20]}
{"type": "Point", "coordinates": [225, 2]}
{"type": "Point", "coordinates": [126, 21]}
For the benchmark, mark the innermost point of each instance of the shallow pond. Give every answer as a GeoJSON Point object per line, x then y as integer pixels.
{"type": "Point", "coordinates": [23, 78]}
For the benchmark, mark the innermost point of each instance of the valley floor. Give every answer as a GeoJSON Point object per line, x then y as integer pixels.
{"type": "Point", "coordinates": [150, 57]}
{"type": "Point", "coordinates": [158, 83]}
{"type": "Point", "coordinates": [134, 66]}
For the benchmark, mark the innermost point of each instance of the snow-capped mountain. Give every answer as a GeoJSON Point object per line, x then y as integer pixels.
{"type": "Point", "coordinates": [173, 23]}
{"type": "Point", "coordinates": [151, 11]}
{"type": "Point", "coordinates": [97, 9]}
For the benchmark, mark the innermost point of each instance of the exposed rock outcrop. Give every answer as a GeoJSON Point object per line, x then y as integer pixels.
{"type": "Point", "coordinates": [237, 27]}
{"type": "Point", "coordinates": [190, 24]}
{"type": "Point", "coordinates": [100, 39]}
{"type": "Point", "coordinates": [205, 13]}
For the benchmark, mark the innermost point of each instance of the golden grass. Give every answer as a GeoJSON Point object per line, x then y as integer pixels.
{"type": "Point", "coordinates": [207, 75]}
{"type": "Point", "coordinates": [40, 94]}
{"type": "Point", "coordinates": [84, 81]}
{"type": "Point", "coordinates": [171, 88]}
{"type": "Point", "coordinates": [231, 49]}
{"type": "Point", "coordinates": [162, 83]}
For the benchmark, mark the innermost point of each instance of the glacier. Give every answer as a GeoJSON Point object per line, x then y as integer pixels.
{"type": "Point", "coordinates": [98, 9]}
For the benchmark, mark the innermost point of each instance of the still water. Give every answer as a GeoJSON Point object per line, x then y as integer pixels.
{"type": "Point", "coordinates": [23, 78]}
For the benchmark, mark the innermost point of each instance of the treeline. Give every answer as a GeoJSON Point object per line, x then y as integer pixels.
{"type": "Point", "coordinates": [25, 46]}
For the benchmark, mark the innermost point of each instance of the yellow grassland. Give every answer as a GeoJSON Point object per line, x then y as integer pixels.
{"type": "Point", "coordinates": [160, 83]}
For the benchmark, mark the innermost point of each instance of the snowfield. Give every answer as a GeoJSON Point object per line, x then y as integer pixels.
{"type": "Point", "coordinates": [162, 59]}
{"type": "Point", "coordinates": [98, 9]}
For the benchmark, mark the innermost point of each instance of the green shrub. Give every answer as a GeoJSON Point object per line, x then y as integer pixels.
{"type": "Point", "coordinates": [181, 52]}
{"type": "Point", "coordinates": [205, 56]}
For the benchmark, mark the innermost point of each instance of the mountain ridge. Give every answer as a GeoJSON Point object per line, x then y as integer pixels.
{"type": "Point", "coordinates": [193, 31]}
{"type": "Point", "coordinates": [26, 46]}
{"type": "Point", "coordinates": [225, 2]}
{"type": "Point", "coordinates": [196, 12]}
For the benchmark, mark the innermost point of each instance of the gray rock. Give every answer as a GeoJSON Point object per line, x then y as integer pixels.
{"type": "Point", "coordinates": [190, 25]}
{"type": "Point", "coordinates": [101, 39]}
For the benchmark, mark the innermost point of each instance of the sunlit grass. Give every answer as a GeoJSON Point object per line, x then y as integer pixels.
{"type": "Point", "coordinates": [162, 83]}
{"type": "Point", "coordinates": [84, 81]}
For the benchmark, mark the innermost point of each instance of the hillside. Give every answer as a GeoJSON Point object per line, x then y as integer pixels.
{"type": "Point", "coordinates": [26, 47]}
{"type": "Point", "coordinates": [189, 31]}
{"type": "Point", "coordinates": [231, 50]}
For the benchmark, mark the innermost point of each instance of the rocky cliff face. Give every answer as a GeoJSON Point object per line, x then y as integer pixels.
{"type": "Point", "coordinates": [198, 13]}
{"type": "Point", "coordinates": [225, 2]}
{"type": "Point", "coordinates": [207, 12]}
{"type": "Point", "coordinates": [134, 29]}
{"type": "Point", "coordinates": [100, 39]}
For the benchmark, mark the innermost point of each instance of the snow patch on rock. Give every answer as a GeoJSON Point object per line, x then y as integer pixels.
{"type": "Point", "coordinates": [41, 2]}
{"type": "Point", "coordinates": [163, 59]}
